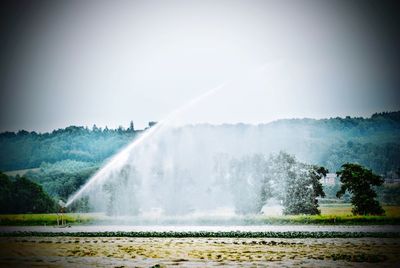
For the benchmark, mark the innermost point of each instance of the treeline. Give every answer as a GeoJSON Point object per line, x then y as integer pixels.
{"type": "Point", "coordinates": [373, 142]}
{"type": "Point", "coordinates": [23, 150]}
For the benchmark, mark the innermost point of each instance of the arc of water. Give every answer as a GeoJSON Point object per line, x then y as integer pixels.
{"type": "Point", "coordinates": [123, 155]}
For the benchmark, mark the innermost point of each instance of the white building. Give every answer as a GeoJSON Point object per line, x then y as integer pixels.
{"type": "Point", "coordinates": [329, 179]}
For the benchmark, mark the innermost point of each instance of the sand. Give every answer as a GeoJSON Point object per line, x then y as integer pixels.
{"type": "Point", "coordinates": [197, 252]}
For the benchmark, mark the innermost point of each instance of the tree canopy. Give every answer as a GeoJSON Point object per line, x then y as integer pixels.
{"type": "Point", "coordinates": [23, 196]}
{"type": "Point", "coordinates": [359, 180]}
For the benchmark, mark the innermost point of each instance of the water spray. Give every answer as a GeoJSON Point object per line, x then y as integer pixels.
{"type": "Point", "coordinates": [120, 158]}
{"type": "Point", "coordinates": [123, 155]}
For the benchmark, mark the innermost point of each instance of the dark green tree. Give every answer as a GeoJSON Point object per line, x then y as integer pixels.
{"type": "Point", "coordinates": [21, 195]}
{"type": "Point", "coordinates": [6, 200]}
{"type": "Point", "coordinates": [359, 180]}
{"type": "Point", "coordinates": [131, 127]}
{"type": "Point", "coordinates": [29, 197]}
{"type": "Point", "coordinates": [316, 173]}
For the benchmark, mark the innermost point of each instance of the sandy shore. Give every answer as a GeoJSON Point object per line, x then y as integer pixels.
{"type": "Point", "coordinates": [198, 252]}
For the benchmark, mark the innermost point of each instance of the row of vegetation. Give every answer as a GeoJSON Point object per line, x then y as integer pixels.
{"type": "Point", "coordinates": [199, 234]}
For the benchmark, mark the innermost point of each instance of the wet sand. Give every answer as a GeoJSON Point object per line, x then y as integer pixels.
{"type": "Point", "coordinates": [198, 252]}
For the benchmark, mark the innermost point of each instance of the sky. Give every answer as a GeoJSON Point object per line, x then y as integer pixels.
{"type": "Point", "coordinates": [109, 62]}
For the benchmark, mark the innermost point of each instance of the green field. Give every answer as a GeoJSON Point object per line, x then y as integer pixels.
{"type": "Point", "coordinates": [344, 209]}
{"type": "Point", "coordinates": [46, 219]}
{"type": "Point", "coordinates": [330, 214]}
{"type": "Point", "coordinates": [338, 214]}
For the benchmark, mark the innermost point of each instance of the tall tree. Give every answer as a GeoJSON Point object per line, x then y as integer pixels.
{"type": "Point", "coordinates": [298, 184]}
{"type": "Point", "coordinates": [29, 197]}
{"type": "Point", "coordinates": [316, 173]}
{"type": "Point", "coordinates": [6, 191]}
{"type": "Point", "coordinates": [359, 180]}
{"type": "Point", "coordinates": [131, 127]}
{"type": "Point", "coordinates": [21, 195]}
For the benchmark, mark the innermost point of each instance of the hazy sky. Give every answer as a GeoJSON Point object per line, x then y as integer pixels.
{"type": "Point", "coordinates": [106, 63]}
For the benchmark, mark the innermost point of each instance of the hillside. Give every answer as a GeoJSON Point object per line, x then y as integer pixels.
{"type": "Point", "coordinates": [24, 150]}
{"type": "Point", "coordinates": [373, 142]}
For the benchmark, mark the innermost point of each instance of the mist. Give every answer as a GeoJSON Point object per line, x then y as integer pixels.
{"type": "Point", "coordinates": [200, 171]}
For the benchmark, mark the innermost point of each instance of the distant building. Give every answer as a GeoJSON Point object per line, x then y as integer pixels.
{"type": "Point", "coordinates": [329, 179]}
